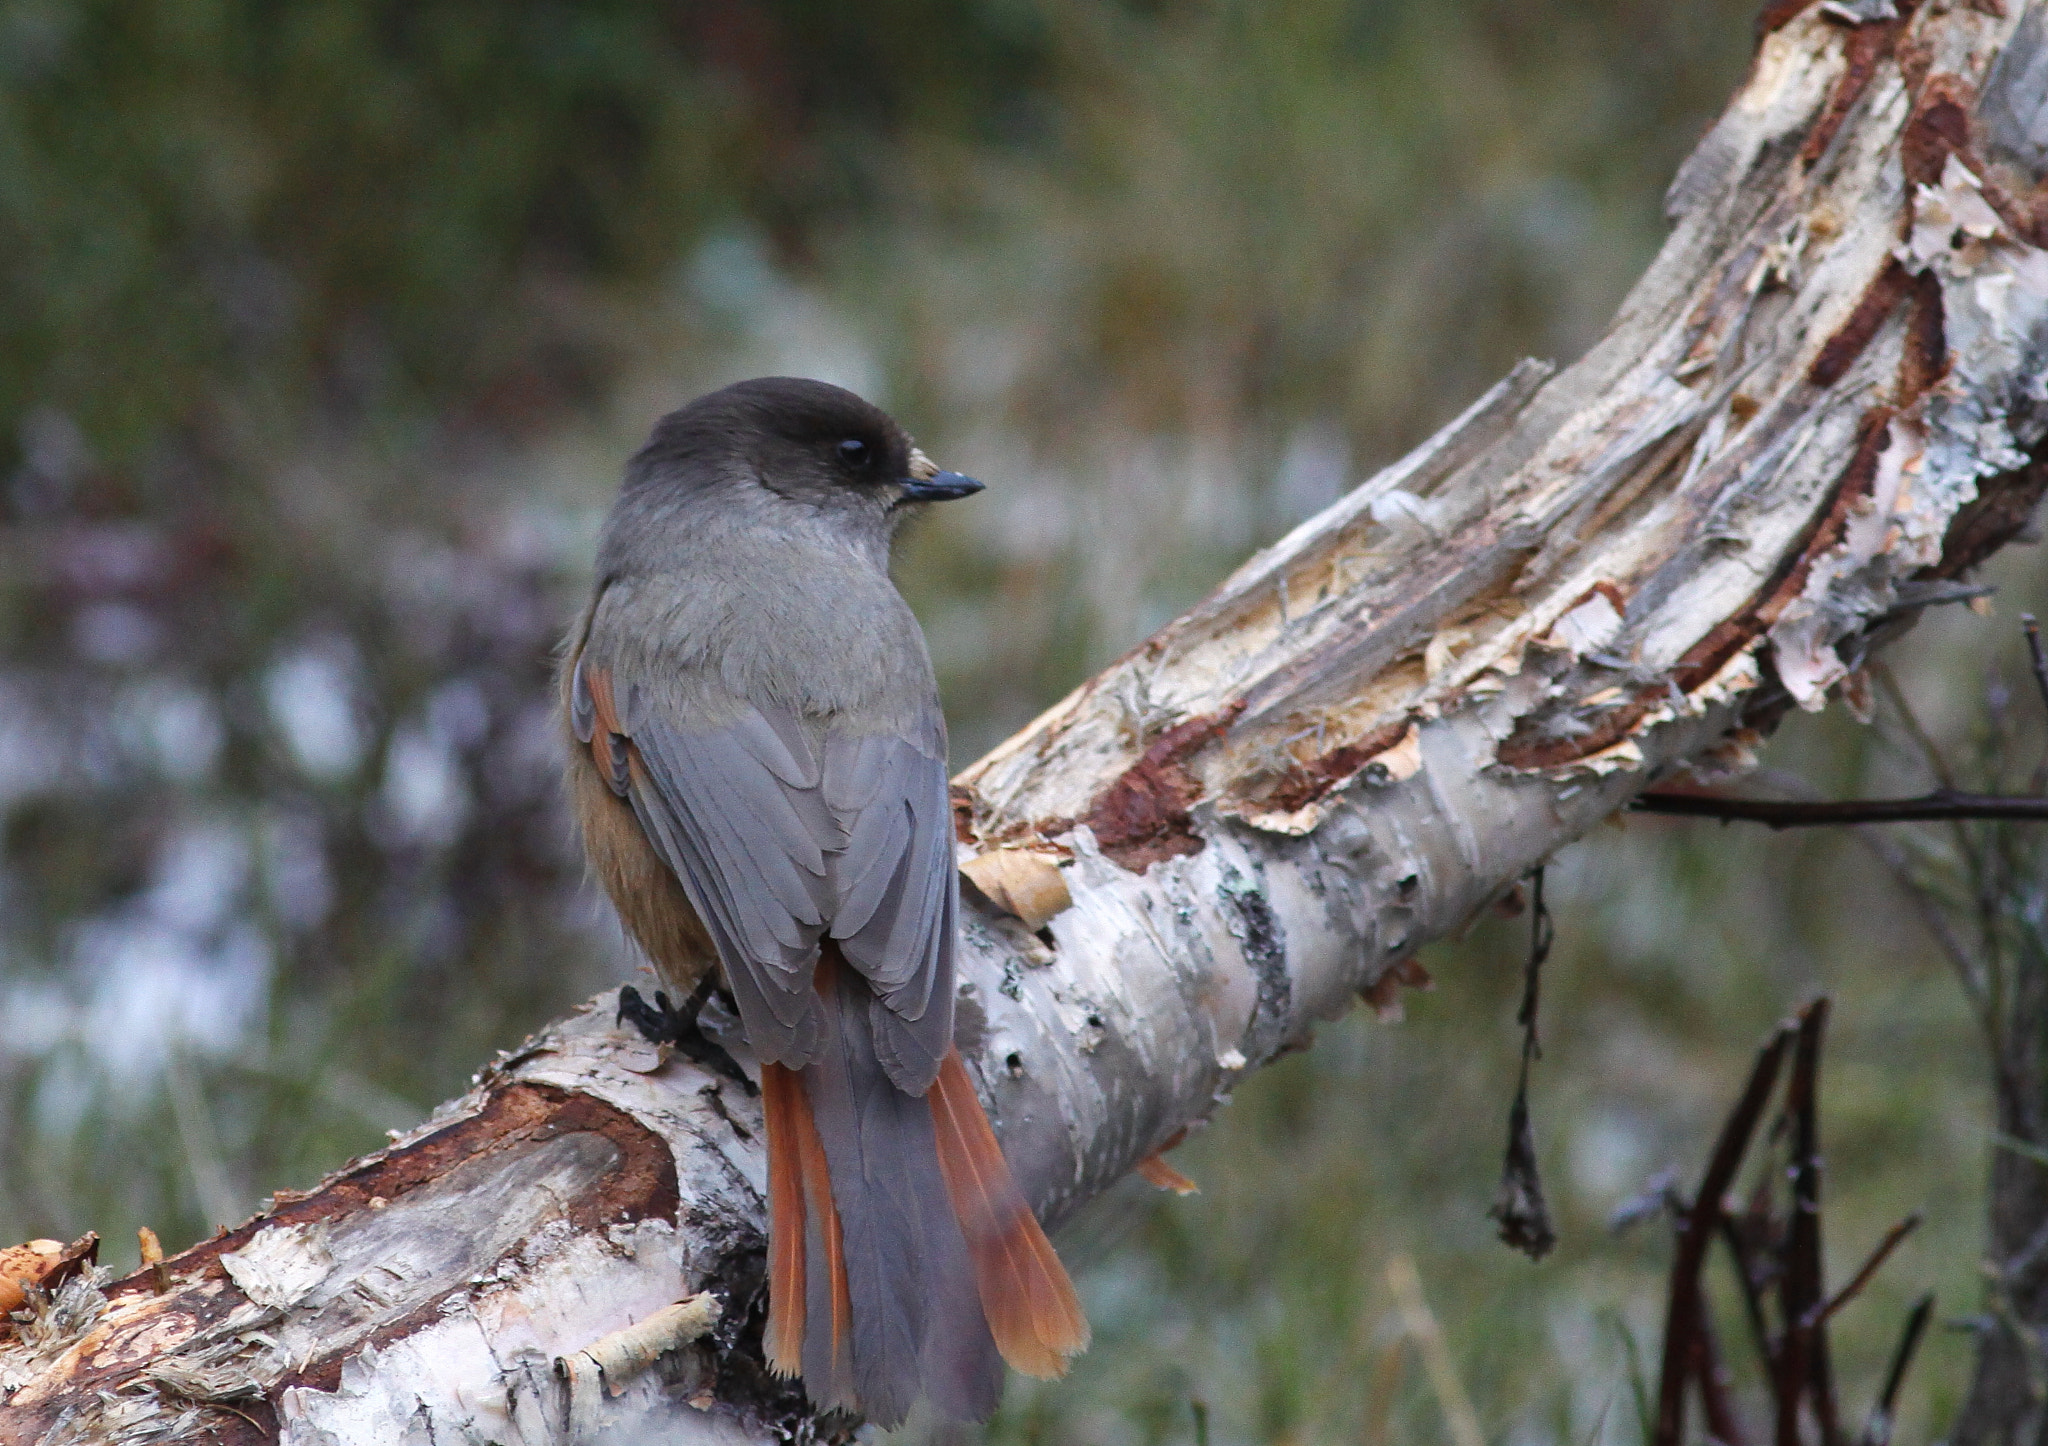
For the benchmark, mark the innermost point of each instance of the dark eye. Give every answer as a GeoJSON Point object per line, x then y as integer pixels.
{"type": "Point", "coordinates": [855, 453]}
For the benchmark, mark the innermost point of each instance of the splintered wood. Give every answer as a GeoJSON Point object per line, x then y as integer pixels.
{"type": "Point", "coordinates": [1836, 354]}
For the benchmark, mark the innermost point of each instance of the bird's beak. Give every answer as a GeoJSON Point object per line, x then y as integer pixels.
{"type": "Point", "coordinates": [939, 487]}
{"type": "Point", "coordinates": [926, 483]}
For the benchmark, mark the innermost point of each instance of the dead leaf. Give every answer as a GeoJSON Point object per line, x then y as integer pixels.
{"type": "Point", "coordinates": [1383, 998]}
{"type": "Point", "coordinates": [1020, 882]}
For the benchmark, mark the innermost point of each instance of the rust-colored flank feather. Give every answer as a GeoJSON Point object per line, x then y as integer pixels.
{"type": "Point", "coordinates": [600, 682]}
{"type": "Point", "coordinates": [1030, 1304]}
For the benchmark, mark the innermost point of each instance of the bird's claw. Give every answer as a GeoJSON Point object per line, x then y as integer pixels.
{"type": "Point", "coordinates": [663, 1023]}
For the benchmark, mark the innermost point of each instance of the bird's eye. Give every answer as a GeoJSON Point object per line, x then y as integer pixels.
{"type": "Point", "coordinates": [854, 452]}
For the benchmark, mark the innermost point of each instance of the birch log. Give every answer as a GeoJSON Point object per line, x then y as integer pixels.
{"type": "Point", "coordinates": [1820, 407]}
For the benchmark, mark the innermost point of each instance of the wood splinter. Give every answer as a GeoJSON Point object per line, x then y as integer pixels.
{"type": "Point", "coordinates": [1155, 1172]}
{"type": "Point", "coordinates": [617, 1358]}
{"type": "Point", "coordinates": [153, 1257]}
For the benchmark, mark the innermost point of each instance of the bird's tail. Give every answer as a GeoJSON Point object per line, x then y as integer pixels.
{"type": "Point", "coordinates": [902, 1258]}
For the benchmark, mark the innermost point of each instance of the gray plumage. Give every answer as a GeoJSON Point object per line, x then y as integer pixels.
{"type": "Point", "coordinates": [779, 691]}
{"type": "Point", "coordinates": [904, 1252]}
{"type": "Point", "coordinates": [780, 743]}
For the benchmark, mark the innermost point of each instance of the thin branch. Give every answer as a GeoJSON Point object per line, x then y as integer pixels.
{"type": "Point", "coordinates": [1925, 905]}
{"type": "Point", "coordinates": [1930, 752]}
{"type": "Point", "coordinates": [2038, 657]}
{"type": "Point", "coordinates": [1802, 1364]}
{"type": "Point", "coordinates": [1696, 1229]}
{"type": "Point", "coordinates": [1722, 1423]}
{"type": "Point", "coordinates": [1934, 918]}
{"type": "Point", "coordinates": [1878, 1431]}
{"type": "Point", "coordinates": [1542, 932]}
{"type": "Point", "coordinates": [2035, 654]}
{"type": "Point", "coordinates": [1752, 1283]}
{"type": "Point", "coordinates": [1780, 814]}
{"type": "Point", "coordinates": [1821, 1313]}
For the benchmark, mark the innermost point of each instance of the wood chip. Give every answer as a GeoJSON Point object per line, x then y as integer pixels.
{"type": "Point", "coordinates": [617, 1358]}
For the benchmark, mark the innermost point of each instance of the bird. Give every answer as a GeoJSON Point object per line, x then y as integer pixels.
{"type": "Point", "coordinates": [755, 756]}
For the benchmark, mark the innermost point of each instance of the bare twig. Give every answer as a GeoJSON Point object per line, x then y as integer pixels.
{"type": "Point", "coordinates": [1926, 906]}
{"type": "Point", "coordinates": [1780, 813]}
{"type": "Point", "coordinates": [1878, 1430]}
{"type": "Point", "coordinates": [1752, 1280]}
{"type": "Point", "coordinates": [2037, 782]}
{"type": "Point", "coordinates": [1770, 1254]}
{"type": "Point", "coordinates": [1847, 1293]}
{"type": "Point", "coordinates": [1802, 1368]}
{"type": "Point", "coordinates": [1930, 752]}
{"type": "Point", "coordinates": [1541, 934]}
{"type": "Point", "coordinates": [1713, 1378]}
{"type": "Point", "coordinates": [2035, 655]}
{"type": "Point", "coordinates": [1696, 1230]}
{"type": "Point", "coordinates": [1928, 910]}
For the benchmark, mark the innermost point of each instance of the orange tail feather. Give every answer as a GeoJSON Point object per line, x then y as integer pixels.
{"type": "Point", "coordinates": [782, 1100]}
{"type": "Point", "coordinates": [817, 1188]}
{"type": "Point", "coordinates": [800, 1200]}
{"type": "Point", "coordinates": [1025, 1293]}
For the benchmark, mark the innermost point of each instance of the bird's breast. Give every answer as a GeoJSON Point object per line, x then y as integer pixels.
{"type": "Point", "coordinates": [822, 632]}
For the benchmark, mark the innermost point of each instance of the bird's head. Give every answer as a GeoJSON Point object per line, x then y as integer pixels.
{"type": "Point", "coordinates": [803, 442]}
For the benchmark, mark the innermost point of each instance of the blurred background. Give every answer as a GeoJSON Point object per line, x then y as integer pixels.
{"type": "Point", "coordinates": [328, 324]}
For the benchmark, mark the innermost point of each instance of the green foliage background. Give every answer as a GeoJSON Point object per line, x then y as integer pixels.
{"type": "Point", "coordinates": [326, 327]}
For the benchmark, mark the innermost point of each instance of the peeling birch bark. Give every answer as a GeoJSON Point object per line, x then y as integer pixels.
{"type": "Point", "coordinates": [1823, 403]}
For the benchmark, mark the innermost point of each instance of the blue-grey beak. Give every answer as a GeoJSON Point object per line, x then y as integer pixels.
{"type": "Point", "coordinates": [939, 487]}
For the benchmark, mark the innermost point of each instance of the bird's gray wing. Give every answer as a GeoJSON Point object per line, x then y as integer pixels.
{"type": "Point", "coordinates": [737, 812]}
{"type": "Point", "coordinates": [895, 914]}
{"type": "Point", "coordinates": [781, 838]}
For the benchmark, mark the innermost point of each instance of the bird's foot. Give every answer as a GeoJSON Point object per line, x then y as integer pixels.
{"type": "Point", "coordinates": [656, 1023]}
{"type": "Point", "coordinates": [663, 1023]}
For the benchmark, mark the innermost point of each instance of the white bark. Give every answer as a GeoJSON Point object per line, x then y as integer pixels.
{"type": "Point", "coordinates": [1371, 729]}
